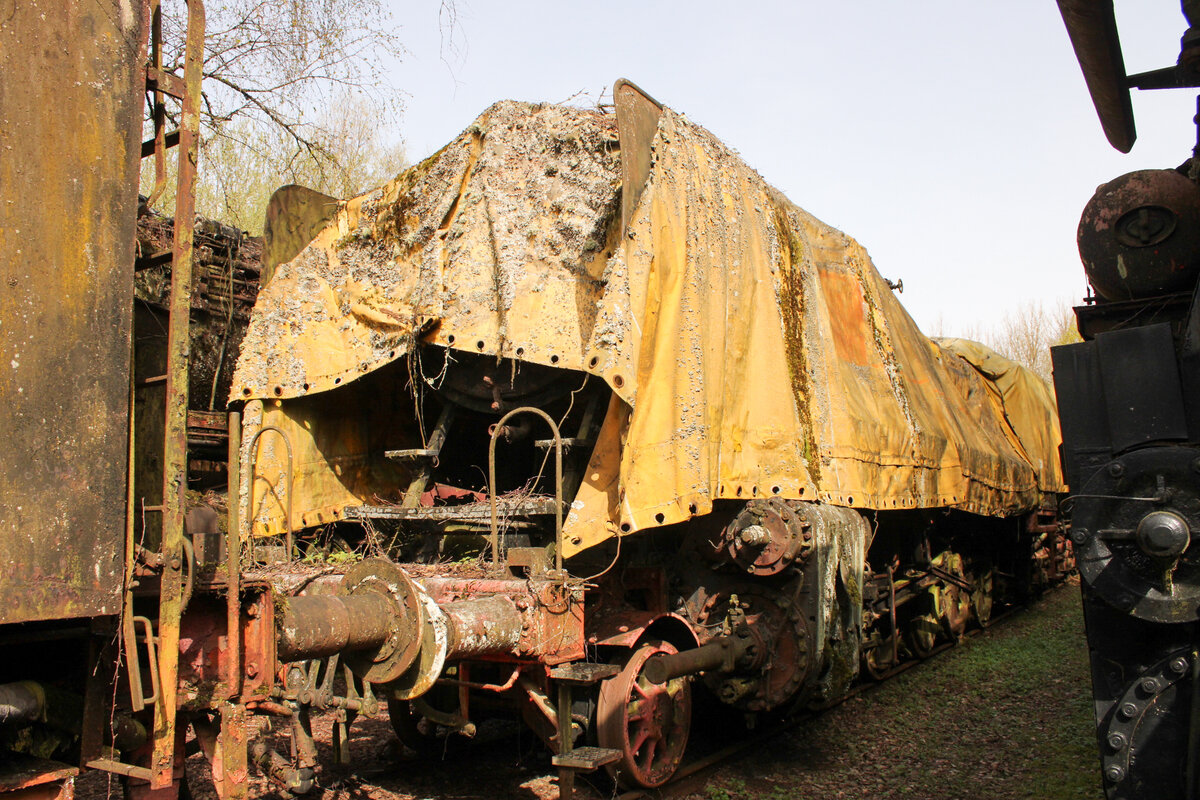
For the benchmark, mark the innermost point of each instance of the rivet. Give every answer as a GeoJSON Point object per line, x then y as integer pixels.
{"type": "Point", "coordinates": [1116, 469]}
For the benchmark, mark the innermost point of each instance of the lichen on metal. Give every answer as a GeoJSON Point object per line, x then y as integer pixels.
{"type": "Point", "coordinates": [751, 350]}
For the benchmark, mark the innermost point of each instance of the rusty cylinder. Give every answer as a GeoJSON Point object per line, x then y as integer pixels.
{"type": "Point", "coordinates": [21, 702]}
{"type": "Point", "coordinates": [486, 626]}
{"type": "Point", "coordinates": [317, 626]}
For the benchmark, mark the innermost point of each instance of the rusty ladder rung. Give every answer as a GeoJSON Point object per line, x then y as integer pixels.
{"type": "Point", "coordinates": [120, 768]}
{"type": "Point", "coordinates": [585, 759]}
{"type": "Point", "coordinates": [583, 673]}
{"type": "Point", "coordinates": [169, 141]}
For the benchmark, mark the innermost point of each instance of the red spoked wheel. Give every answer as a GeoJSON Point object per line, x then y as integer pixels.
{"type": "Point", "coordinates": [647, 722]}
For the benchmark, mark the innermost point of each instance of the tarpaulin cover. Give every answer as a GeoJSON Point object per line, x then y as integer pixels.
{"type": "Point", "coordinates": [751, 349]}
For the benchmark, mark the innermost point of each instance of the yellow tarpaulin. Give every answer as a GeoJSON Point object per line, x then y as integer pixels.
{"type": "Point", "coordinates": [751, 349]}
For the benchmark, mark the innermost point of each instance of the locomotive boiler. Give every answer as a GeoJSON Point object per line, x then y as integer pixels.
{"type": "Point", "coordinates": [1129, 398]}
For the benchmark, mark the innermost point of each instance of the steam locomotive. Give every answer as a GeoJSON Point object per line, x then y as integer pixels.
{"type": "Point", "coordinates": [572, 420]}
{"type": "Point", "coordinates": [1130, 409]}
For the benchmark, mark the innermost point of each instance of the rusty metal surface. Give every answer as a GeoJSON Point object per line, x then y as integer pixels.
{"type": "Point", "coordinates": [205, 652]}
{"type": "Point", "coordinates": [66, 267]}
{"type": "Point", "coordinates": [295, 214]}
{"type": "Point", "coordinates": [508, 507]}
{"type": "Point", "coordinates": [637, 122]}
{"type": "Point", "coordinates": [1139, 235]}
{"type": "Point", "coordinates": [320, 626]}
{"type": "Point", "coordinates": [171, 600]}
{"type": "Point", "coordinates": [1092, 27]}
{"type": "Point", "coordinates": [487, 626]}
{"type": "Point", "coordinates": [551, 614]}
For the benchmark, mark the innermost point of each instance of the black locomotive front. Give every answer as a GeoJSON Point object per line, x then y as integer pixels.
{"type": "Point", "coordinates": [1129, 402]}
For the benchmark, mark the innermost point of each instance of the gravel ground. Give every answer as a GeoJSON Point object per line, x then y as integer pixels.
{"type": "Point", "coordinates": [1006, 716]}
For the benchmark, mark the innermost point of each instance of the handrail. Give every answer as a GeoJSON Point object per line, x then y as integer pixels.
{"type": "Point", "coordinates": [233, 559]}
{"type": "Point", "coordinates": [497, 429]}
{"type": "Point", "coordinates": [253, 448]}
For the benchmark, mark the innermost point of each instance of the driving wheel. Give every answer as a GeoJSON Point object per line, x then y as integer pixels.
{"type": "Point", "coordinates": [648, 723]}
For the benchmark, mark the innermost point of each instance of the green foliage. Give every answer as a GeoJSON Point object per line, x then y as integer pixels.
{"type": "Point", "coordinates": [242, 163]}
{"type": "Point", "coordinates": [292, 93]}
{"type": "Point", "coordinates": [1026, 334]}
{"type": "Point", "coordinates": [730, 789]}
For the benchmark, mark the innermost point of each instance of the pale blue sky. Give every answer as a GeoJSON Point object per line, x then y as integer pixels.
{"type": "Point", "coordinates": [955, 140]}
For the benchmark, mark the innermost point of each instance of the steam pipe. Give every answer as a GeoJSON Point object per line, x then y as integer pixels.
{"type": "Point", "coordinates": [233, 558]}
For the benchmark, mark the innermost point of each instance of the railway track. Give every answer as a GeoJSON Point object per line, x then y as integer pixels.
{"type": "Point", "coordinates": [693, 776]}
{"type": "Point", "coordinates": [486, 769]}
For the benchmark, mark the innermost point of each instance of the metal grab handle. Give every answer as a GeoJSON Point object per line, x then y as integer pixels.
{"type": "Point", "coordinates": [290, 480]}
{"type": "Point", "coordinates": [148, 632]}
{"type": "Point", "coordinates": [558, 514]}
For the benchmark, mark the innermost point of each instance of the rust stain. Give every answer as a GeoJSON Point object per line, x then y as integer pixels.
{"type": "Point", "coordinates": [844, 297]}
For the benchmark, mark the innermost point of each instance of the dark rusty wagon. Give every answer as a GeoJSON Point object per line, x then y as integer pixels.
{"type": "Point", "coordinates": [613, 422]}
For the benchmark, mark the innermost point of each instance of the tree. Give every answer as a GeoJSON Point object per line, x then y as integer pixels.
{"type": "Point", "coordinates": [1027, 333]}
{"type": "Point", "coordinates": [243, 167]}
{"type": "Point", "coordinates": [273, 72]}
{"type": "Point", "coordinates": [272, 62]}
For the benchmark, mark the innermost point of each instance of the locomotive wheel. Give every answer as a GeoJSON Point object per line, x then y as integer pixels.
{"type": "Point", "coordinates": [956, 610]}
{"type": "Point", "coordinates": [981, 598]}
{"type": "Point", "coordinates": [413, 730]}
{"type": "Point", "coordinates": [419, 733]}
{"type": "Point", "coordinates": [921, 632]}
{"type": "Point", "coordinates": [877, 659]}
{"type": "Point", "coordinates": [647, 722]}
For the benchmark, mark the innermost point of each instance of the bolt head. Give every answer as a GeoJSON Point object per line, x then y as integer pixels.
{"type": "Point", "coordinates": [1114, 773]}
{"type": "Point", "coordinates": [1127, 710]}
{"type": "Point", "coordinates": [1079, 535]}
{"type": "Point", "coordinates": [1116, 469]}
{"type": "Point", "coordinates": [1179, 665]}
{"type": "Point", "coordinates": [1149, 685]}
{"type": "Point", "coordinates": [1116, 740]}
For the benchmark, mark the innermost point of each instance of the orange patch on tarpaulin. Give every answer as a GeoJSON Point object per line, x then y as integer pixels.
{"type": "Point", "coordinates": [847, 316]}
